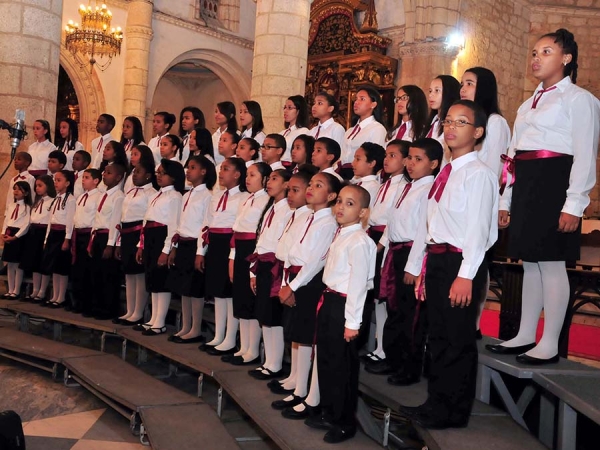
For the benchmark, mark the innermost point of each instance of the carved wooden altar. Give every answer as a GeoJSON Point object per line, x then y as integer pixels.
{"type": "Point", "coordinates": [343, 58]}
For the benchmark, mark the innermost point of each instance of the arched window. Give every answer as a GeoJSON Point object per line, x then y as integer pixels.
{"type": "Point", "coordinates": [219, 13]}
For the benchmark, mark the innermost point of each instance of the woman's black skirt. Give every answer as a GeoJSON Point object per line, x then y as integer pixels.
{"type": "Point", "coordinates": [300, 320]}
{"type": "Point", "coordinates": [183, 279]}
{"type": "Point", "coordinates": [33, 249]}
{"type": "Point", "coordinates": [55, 260]}
{"type": "Point", "coordinates": [129, 242]}
{"type": "Point", "coordinates": [269, 310]}
{"type": "Point", "coordinates": [13, 251]}
{"type": "Point", "coordinates": [538, 196]}
{"type": "Point", "coordinates": [216, 265]}
{"type": "Point", "coordinates": [244, 300]}
{"type": "Point", "coordinates": [156, 276]}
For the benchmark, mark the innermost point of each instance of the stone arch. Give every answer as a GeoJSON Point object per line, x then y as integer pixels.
{"type": "Point", "coordinates": [89, 94]}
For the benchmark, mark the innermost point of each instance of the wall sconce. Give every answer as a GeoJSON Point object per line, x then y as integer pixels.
{"type": "Point", "coordinates": [455, 41]}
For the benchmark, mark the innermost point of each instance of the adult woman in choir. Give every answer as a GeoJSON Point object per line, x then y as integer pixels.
{"type": "Point", "coordinates": [553, 148]}
{"type": "Point", "coordinates": [478, 84]}
{"type": "Point", "coordinates": [411, 114]}
{"type": "Point", "coordinates": [295, 116]}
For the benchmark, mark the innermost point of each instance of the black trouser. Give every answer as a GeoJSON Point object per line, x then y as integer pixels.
{"type": "Point", "coordinates": [81, 276]}
{"type": "Point", "coordinates": [106, 279]}
{"type": "Point", "coordinates": [452, 341]}
{"type": "Point", "coordinates": [337, 361]}
{"type": "Point", "coordinates": [405, 329]}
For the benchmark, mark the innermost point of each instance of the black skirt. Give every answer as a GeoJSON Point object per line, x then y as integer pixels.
{"type": "Point", "coordinates": [300, 321]}
{"type": "Point", "coordinates": [538, 196]}
{"type": "Point", "coordinates": [244, 300]}
{"type": "Point", "coordinates": [54, 259]}
{"type": "Point", "coordinates": [156, 276]}
{"type": "Point", "coordinates": [269, 309]}
{"type": "Point", "coordinates": [33, 249]}
{"type": "Point", "coordinates": [216, 265]}
{"type": "Point", "coordinates": [129, 242]}
{"type": "Point", "coordinates": [183, 278]}
{"type": "Point", "coordinates": [13, 250]}
{"type": "Point", "coordinates": [374, 293]}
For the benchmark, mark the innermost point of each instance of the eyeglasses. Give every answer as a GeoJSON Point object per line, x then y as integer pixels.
{"type": "Point", "coordinates": [459, 123]}
{"type": "Point", "coordinates": [402, 98]}
{"type": "Point", "coordinates": [289, 108]}
{"type": "Point", "coordinates": [160, 172]}
{"type": "Point", "coordinates": [269, 147]}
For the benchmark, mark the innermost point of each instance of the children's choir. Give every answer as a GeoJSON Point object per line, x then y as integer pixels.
{"type": "Point", "coordinates": [288, 251]}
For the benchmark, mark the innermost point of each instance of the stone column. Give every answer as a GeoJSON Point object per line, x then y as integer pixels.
{"type": "Point", "coordinates": [421, 62]}
{"type": "Point", "coordinates": [280, 53]}
{"type": "Point", "coordinates": [30, 34]}
{"type": "Point", "coordinates": [138, 34]}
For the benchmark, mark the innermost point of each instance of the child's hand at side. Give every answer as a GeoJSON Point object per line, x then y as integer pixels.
{"type": "Point", "coordinates": [350, 334]}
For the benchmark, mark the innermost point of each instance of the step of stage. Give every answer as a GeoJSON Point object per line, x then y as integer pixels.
{"type": "Point", "coordinates": [255, 398]}
{"type": "Point", "coordinates": [185, 427]}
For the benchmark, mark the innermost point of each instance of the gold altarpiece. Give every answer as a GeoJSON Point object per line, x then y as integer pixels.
{"type": "Point", "coordinates": [343, 58]}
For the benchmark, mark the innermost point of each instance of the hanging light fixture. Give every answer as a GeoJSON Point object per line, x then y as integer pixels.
{"type": "Point", "coordinates": [94, 38]}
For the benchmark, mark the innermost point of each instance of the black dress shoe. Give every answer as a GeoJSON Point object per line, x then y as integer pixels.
{"type": "Point", "coordinates": [370, 358]}
{"type": "Point", "coordinates": [117, 321]}
{"type": "Point", "coordinates": [215, 352]}
{"type": "Point", "coordinates": [141, 327]}
{"type": "Point", "coordinates": [414, 411]}
{"type": "Point", "coordinates": [319, 422]}
{"type": "Point", "coordinates": [271, 384]}
{"type": "Point", "coordinates": [403, 379]}
{"type": "Point", "coordinates": [280, 390]}
{"type": "Point", "coordinates": [379, 368]}
{"type": "Point", "coordinates": [266, 376]}
{"type": "Point", "coordinates": [339, 434]}
{"type": "Point", "coordinates": [533, 361]}
{"type": "Point", "coordinates": [154, 331]}
{"type": "Point", "coordinates": [204, 347]}
{"type": "Point", "coordinates": [282, 404]}
{"type": "Point", "coordinates": [239, 361]}
{"type": "Point", "coordinates": [431, 422]}
{"type": "Point", "coordinates": [502, 350]}
{"type": "Point", "coordinates": [308, 411]}
{"type": "Point", "coordinates": [193, 340]}
{"type": "Point", "coordinates": [55, 305]}
{"type": "Point", "coordinates": [130, 323]}
{"type": "Point", "coordinates": [228, 358]}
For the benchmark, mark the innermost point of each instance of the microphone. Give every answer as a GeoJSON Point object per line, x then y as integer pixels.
{"type": "Point", "coordinates": [17, 133]}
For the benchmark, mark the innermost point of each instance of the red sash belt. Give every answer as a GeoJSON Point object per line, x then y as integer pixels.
{"type": "Point", "coordinates": [93, 236]}
{"type": "Point", "coordinates": [178, 238]}
{"type": "Point", "coordinates": [11, 231]}
{"type": "Point", "coordinates": [276, 269]}
{"type": "Point", "coordinates": [291, 270]}
{"type": "Point", "coordinates": [74, 241]}
{"type": "Point", "coordinates": [37, 173]}
{"type": "Point", "coordinates": [124, 229]}
{"type": "Point", "coordinates": [241, 236]}
{"type": "Point", "coordinates": [58, 227]}
{"type": "Point", "coordinates": [147, 225]}
{"type": "Point", "coordinates": [39, 225]}
{"type": "Point", "coordinates": [376, 229]}
{"type": "Point", "coordinates": [509, 163]}
{"type": "Point", "coordinates": [387, 286]}
{"type": "Point", "coordinates": [207, 231]}
{"type": "Point", "coordinates": [319, 305]}
{"type": "Point", "coordinates": [438, 249]}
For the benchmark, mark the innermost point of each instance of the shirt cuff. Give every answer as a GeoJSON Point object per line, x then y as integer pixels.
{"type": "Point", "coordinates": [352, 325]}
{"type": "Point", "coordinates": [467, 271]}
{"type": "Point", "coordinates": [166, 249]}
{"type": "Point", "coordinates": [572, 207]}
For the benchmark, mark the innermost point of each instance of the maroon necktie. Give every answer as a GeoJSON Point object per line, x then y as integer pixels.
{"type": "Point", "coordinates": [310, 221]}
{"type": "Point", "coordinates": [100, 144]}
{"type": "Point", "coordinates": [223, 200]}
{"type": "Point", "coordinates": [383, 191]}
{"type": "Point", "coordinates": [188, 200]}
{"type": "Point", "coordinates": [401, 131]}
{"type": "Point", "coordinates": [15, 213]}
{"type": "Point", "coordinates": [156, 198]}
{"type": "Point", "coordinates": [318, 131]}
{"type": "Point", "coordinates": [102, 202]}
{"type": "Point", "coordinates": [355, 131]}
{"type": "Point", "coordinates": [538, 96]}
{"type": "Point", "coordinates": [430, 134]}
{"type": "Point", "coordinates": [83, 199]}
{"type": "Point", "coordinates": [440, 183]}
{"type": "Point", "coordinates": [404, 194]}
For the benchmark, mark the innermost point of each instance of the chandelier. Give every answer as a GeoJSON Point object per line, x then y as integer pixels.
{"type": "Point", "coordinates": [94, 38]}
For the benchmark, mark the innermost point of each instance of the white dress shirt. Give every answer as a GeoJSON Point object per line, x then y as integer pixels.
{"type": "Point", "coordinates": [165, 208]}
{"type": "Point", "coordinates": [331, 171]}
{"type": "Point", "coordinates": [247, 133]}
{"type": "Point", "coordinates": [249, 214]}
{"type": "Point", "coordinates": [566, 120]}
{"type": "Point", "coordinates": [62, 215]}
{"type": "Point", "coordinates": [292, 228]}
{"type": "Point", "coordinates": [384, 199]}
{"type": "Point", "coordinates": [467, 213]}
{"type": "Point", "coordinates": [39, 152]}
{"type": "Point", "coordinates": [350, 269]}
{"type": "Point", "coordinates": [290, 134]}
{"type": "Point", "coordinates": [194, 205]}
{"type": "Point", "coordinates": [78, 185]}
{"type": "Point", "coordinates": [407, 221]}
{"type": "Point", "coordinates": [277, 165]}
{"type": "Point", "coordinates": [70, 152]}
{"type": "Point", "coordinates": [86, 206]}
{"type": "Point", "coordinates": [495, 144]}
{"type": "Point", "coordinates": [370, 131]}
{"type": "Point", "coordinates": [97, 149]}
{"type": "Point", "coordinates": [274, 223]}
{"type": "Point", "coordinates": [136, 201]}
{"type": "Point", "coordinates": [22, 176]}
{"type": "Point", "coordinates": [371, 184]}
{"type": "Point", "coordinates": [310, 246]}
{"type": "Point", "coordinates": [154, 145]}
{"type": "Point", "coordinates": [222, 216]}
{"type": "Point", "coordinates": [331, 129]}
{"type": "Point", "coordinates": [435, 123]}
{"type": "Point", "coordinates": [40, 213]}
{"type": "Point", "coordinates": [18, 216]}
{"type": "Point", "coordinates": [108, 214]}
{"type": "Point", "coordinates": [408, 132]}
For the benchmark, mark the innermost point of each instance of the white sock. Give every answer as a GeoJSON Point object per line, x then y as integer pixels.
{"type": "Point", "coordinates": [304, 363]}
{"type": "Point", "coordinates": [290, 381]}
{"type": "Point", "coordinates": [531, 306]}
{"type": "Point", "coordinates": [555, 285]}
{"type": "Point", "coordinates": [163, 300]}
{"type": "Point", "coordinates": [277, 349]}
{"type": "Point", "coordinates": [266, 336]}
{"type": "Point", "coordinates": [130, 282]}
{"type": "Point", "coordinates": [44, 286]}
{"type": "Point", "coordinates": [244, 337]}
{"type": "Point", "coordinates": [253, 341]}
{"type": "Point", "coordinates": [18, 280]}
{"type": "Point", "coordinates": [10, 273]}
{"type": "Point", "coordinates": [186, 316]}
{"type": "Point", "coordinates": [154, 299]}
{"type": "Point", "coordinates": [481, 305]}
{"type": "Point", "coordinates": [63, 282]}
{"type": "Point", "coordinates": [141, 298]}
{"type": "Point", "coordinates": [380, 318]}
{"type": "Point", "coordinates": [232, 328]}
{"type": "Point", "coordinates": [36, 284]}
{"type": "Point", "coordinates": [197, 311]}
{"type": "Point", "coordinates": [55, 287]}
{"type": "Point", "coordinates": [314, 395]}
{"type": "Point", "coordinates": [220, 320]}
